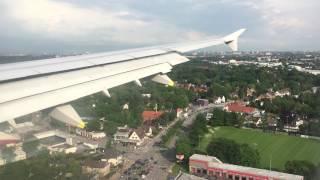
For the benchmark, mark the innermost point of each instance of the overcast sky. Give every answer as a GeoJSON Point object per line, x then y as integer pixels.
{"type": "Point", "coordinates": [65, 26]}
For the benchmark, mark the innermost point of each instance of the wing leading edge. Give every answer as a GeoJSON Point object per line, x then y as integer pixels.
{"type": "Point", "coordinates": [27, 87]}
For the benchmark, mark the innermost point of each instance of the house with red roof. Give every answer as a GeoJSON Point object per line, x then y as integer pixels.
{"type": "Point", "coordinates": [8, 139]}
{"type": "Point", "coordinates": [149, 116]}
{"type": "Point", "coordinates": [239, 107]}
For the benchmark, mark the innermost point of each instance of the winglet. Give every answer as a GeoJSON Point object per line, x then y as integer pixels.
{"type": "Point", "coordinates": [232, 39]}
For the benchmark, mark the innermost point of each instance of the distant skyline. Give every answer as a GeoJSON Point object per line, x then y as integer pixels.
{"type": "Point", "coordinates": [77, 26]}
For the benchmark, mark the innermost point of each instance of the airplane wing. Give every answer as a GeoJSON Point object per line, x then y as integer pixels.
{"type": "Point", "coordinates": [27, 87]}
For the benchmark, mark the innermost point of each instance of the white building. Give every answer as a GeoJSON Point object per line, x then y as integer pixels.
{"type": "Point", "coordinates": [125, 106]}
{"type": "Point", "coordinates": [282, 93]}
{"type": "Point", "coordinates": [146, 95]}
{"type": "Point", "coordinates": [91, 134]}
{"type": "Point", "coordinates": [131, 136]}
{"type": "Point", "coordinates": [20, 154]}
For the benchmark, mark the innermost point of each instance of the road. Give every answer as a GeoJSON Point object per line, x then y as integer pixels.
{"type": "Point", "coordinates": [160, 164]}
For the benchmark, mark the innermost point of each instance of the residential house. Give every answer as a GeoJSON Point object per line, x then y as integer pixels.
{"type": "Point", "coordinates": [2, 160]}
{"type": "Point", "coordinates": [65, 148]}
{"type": "Point", "coordinates": [122, 134]}
{"type": "Point", "coordinates": [113, 157]}
{"type": "Point", "coordinates": [294, 127]}
{"type": "Point", "coordinates": [18, 153]}
{"type": "Point", "coordinates": [239, 107]}
{"type": "Point", "coordinates": [6, 138]}
{"type": "Point", "coordinates": [146, 95]}
{"type": "Point", "coordinates": [148, 131]}
{"type": "Point", "coordinates": [250, 91]}
{"type": "Point", "coordinates": [136, 137]}
{"type": "Point", "coordinates": [149, 116]}
{"type": "Point", "coordinates": [91, 134]}
{"type": "Point", "coordinates": [102, 168]}
{"type": "Point", "coordinates": [268, 95]}
{"type": "Point", "coordinates": [179, 112]}
{"type": "Point", "coordinates": [315, 89]}
{"type": "Point", "coordinates": [203, 102]}
{"type": "Point", "coordinates": [219, 100]}
{"type": "Point", "coordinates": [125, 106]}
{"type": "Point", "coordinates": [283, 92]}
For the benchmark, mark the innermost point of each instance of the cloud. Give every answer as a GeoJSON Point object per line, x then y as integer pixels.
{"type": "Point", "coordinates": [286, 15]}
{"type": "Point", "coordinates": [97, 25]}
{"type": "Point", "coordinates": [62, 20]}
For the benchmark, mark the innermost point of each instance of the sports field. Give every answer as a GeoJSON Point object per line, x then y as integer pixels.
{"type": "Point", "coordinates": [278, 147]}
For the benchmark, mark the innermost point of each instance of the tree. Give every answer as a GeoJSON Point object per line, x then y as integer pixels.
{"type": "Point", "coordinates": [44, 166]}
{"type": "Point", "coordinates": [93, 125]}
{"type": "Point", "coordinates": [30, 147]}
{"type": "Point", "coordinates": [249, 156]}
{"type": "Point", "coordinates": [199, 128]}
{"type": "Point", "coordinates": [304, 168]}
{"type": "Point", "coordinates": [183, 146]}
{"type": "Point", "coordinates": [222, 118]}
{"type": "Point", "coordinates": [229, 151]}
{"type": "Point", "coordinates": [217, 118]}
{"type": "Point", "coordinates": [110, 127]}
{"type": "Point", "coordinates": [226, 150]}
{"type": "Point", "coordinates": [8, 153]}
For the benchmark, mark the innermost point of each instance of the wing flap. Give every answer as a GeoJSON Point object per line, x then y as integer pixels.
{"type": "Point", "coordinates": [19, 89]}
{"type": "Point", "coordinates": [27, 105]}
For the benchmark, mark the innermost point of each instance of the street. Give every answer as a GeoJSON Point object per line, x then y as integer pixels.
{"type": "Point", "coordinates": [159, 161]}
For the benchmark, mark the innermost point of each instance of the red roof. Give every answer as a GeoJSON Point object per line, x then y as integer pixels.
{"type": "Point", "coordinates": [7, 139]}
{"type": "Point", "coordinates": [5, 142]}
{"type": "Point", "coordinates": [151, 115]}
{"type": "Point", "coordinates": [239, 107]}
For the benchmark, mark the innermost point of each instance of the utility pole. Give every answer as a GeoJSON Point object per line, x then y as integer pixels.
{"type": "Point", "coordinates": [270, 162]}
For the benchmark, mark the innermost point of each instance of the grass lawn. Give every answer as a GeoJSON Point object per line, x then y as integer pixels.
{"type": "Point", "coordinates": [278, 146]}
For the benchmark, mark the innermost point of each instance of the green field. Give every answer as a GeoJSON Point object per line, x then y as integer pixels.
{"type": "Point", "coordinates": [278, 147]}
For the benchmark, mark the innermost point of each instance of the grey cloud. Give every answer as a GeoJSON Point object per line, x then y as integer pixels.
{"type": "Point", "coordinates": [162, 21]}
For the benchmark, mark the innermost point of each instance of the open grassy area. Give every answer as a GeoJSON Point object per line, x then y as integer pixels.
{"type": "Point", "coordinates": [279, 147]}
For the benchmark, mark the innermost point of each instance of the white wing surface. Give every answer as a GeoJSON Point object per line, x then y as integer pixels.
{"type": "Point", "coordinates": [27, 87]}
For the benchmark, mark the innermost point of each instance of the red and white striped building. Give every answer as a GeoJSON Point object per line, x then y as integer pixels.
{"type": "Point", "coordinates": [209, 166]}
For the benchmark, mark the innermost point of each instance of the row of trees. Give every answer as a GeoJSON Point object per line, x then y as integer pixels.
{"type": "Point", "coordinates": [171, 132]}
{"type": "Point", "coordinates": [223, 118]}
{"type": "Point", "coordinates": [44, 166]}
{"type": "Point", "coordinates": [304, 168]}
{"type": "Point", "coordinates": [228, 151]}
{"type": "Point", "coordinates": [187, 142]}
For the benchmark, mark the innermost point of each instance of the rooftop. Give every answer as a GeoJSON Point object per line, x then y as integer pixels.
{"type": "Point", "coordinates": [52, 140]}
{"type": "Point", "coordinates": [212, 162]}
{"type": "Point", "coordinates": [239, 107]}
{"type": "Point", "coordinates": [151, 115]}
{"type": "Point", "coordinates": [185, 176]}
{"type": "Point", "coordinates": [205, 158]}
{"type": "Point", "coordinates": [8, 138]}
{"type": "Point", "coordinates": [95, 164]}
